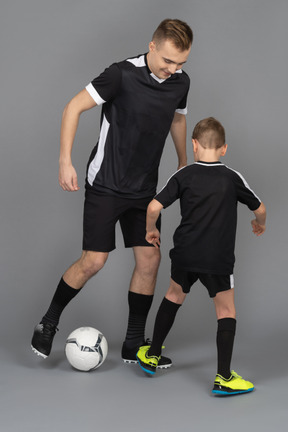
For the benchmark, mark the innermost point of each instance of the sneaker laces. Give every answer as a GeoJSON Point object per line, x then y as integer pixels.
{"type": "Point", "coordinates": [48, 330]}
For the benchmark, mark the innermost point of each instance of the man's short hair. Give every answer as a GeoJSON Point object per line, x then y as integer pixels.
{"type": "Point", "coordinates": [210, 133]}
{"type": "Point", "coordinates": [176, 31]}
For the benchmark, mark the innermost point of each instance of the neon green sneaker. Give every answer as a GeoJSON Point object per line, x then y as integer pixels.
{"type": "Point", "coordinates": [146, 362]}
{"type": "Point", "coordinates": [233, 385]}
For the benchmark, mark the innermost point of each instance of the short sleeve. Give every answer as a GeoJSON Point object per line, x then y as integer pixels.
{"type": "Point", "coordinates": [182, 106]}
{"type": "Point", "coordinates": [169, 193]}
{"type": "Point", "coordinates": [245, 194]}
{"type": "Point", "coordinates": [106, 86]}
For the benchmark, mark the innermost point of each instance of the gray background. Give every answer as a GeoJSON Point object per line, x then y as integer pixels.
{"type": "Point", "coordinates": [238, 69]}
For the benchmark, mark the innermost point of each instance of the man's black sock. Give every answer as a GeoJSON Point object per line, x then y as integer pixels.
{"type": "Point", "coordinates": [63, 295]}
{"type": "Point", "coordinates": [139, 306]}
{"type": "Point", "coordinates": [225, 341]}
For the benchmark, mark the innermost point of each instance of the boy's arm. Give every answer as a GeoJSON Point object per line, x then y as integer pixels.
{"type": "Point", "coordinates": [152, 233]}
{"type": "Point", "coordinates": [258, 224]}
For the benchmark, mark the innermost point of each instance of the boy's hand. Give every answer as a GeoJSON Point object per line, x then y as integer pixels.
{"type": "Point", "coordinates": [258, 229]}
{"type": "Point", "coordinates": [153, 237]}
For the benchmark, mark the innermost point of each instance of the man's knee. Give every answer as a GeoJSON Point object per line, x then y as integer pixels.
{"type": "Point", "coordinates": [147, 260]}
{"type": "Point", "coordinates": [92, 262]}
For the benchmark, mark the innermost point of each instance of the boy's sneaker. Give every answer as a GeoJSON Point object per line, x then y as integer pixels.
{"type": "Point", "coordinates": [42, 339]}
{"type": "Point", "coordinates": [233, 385]}
{"type": "Point", "coordinates": [129, 355]}
{"type": "Point", "coordinates": [147, 363]}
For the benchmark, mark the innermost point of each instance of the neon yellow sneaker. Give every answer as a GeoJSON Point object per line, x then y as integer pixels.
{"type": "Point", "coordinates": [146, 362]}
{"type": "Point", "coordinates": [233, 385]}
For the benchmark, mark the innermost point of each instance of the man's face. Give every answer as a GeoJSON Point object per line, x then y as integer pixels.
{"type": "Point", "coordinates": [165, 59]}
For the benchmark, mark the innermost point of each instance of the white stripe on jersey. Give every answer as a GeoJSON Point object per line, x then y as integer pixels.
{"type": "Point", "coordinates": [183, 111]}
{"type": "Point", "coordinates": [244, 181]}
{"type": "Point", "coordinates": [94, 94]}
{"type": "Point", "coordinates": [231, 281]}
{"type": "Point", "coordinates": [209, 165]}
{"type": "Point", "coordinates": [138, 61]}
{"type": "Point", "coordinates": [96, 163]}
{"type": "Point", "coordinates": [171, 177]}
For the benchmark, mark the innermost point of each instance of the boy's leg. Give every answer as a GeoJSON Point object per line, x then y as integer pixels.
{"type": "Point", "coordinates": [226, 316]}
{"type": "Point", "coordinates": [148, 357]}
{"type": "Point", "coordinates": [69, 286]}
{"type": "Point", "coordinates": [166, 315]}
{"type": "Point", "coordinates": [227, 382]}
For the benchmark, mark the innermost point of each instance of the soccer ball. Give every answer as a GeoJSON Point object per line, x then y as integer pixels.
{"type": "Point", "coordinates": [86, 348]}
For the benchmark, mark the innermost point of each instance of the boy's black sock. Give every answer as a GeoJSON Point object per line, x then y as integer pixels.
{"type": "Point", "coordinates": [139, 306]}
{"type": "Point", "coordinates": [164, 320]}
{"type": "Point", "coordinates": [225, 341]}
{"type": "Point", "coordinates": [63, 295]}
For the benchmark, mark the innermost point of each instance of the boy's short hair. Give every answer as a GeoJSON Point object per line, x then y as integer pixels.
{"type": "Point", "coordinates": [210, 133]}
{"type": "Point", "coordinates": [178, 32]}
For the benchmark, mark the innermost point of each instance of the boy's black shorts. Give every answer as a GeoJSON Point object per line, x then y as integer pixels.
{"type": "Point", "coordinates": [102, 212]}
{"type": "Point", "coordinates": [213, 283]}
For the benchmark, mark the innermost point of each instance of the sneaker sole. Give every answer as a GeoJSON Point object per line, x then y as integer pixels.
{"type": "Point", "coordinates": [39, 354]}
{"type": "Point", "coordinates": [148, 371]}
{"type": "Point", "coordinates": [135, 362]}
{"type": "Point", "coordinates": [233, 392]}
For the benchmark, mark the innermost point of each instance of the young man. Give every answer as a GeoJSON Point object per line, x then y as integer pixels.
{"type": "Point", "coordinates": [142, 99]}
{"type": "Point", "coordinates": [203, 246]}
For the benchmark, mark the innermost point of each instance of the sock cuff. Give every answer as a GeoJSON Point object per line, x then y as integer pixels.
{"type": "Point", "coordinates": [171, 306]}
{"type": "Point", "coordinates": [139, 303]}
{"type": "Point", "coordinates": [227, 324]}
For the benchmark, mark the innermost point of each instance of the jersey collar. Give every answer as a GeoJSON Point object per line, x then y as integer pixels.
{"type": "Point", "coordinates": [217, 163]}
{"type": "Point", "coordinates": [159, 80]}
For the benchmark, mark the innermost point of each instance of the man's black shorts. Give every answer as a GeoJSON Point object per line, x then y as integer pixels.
{"type": "Point", "coordinates": [213, 283]}
{"type": "Point", "coordinates": [102, 212]}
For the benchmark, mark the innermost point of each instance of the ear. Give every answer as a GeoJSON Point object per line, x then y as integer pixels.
{"type": "Point", "coordinates": [223, 150]}
{"type": "Point", "coordinates": [152, 46]}
{"type": "Point", "coordinates": [195, 145]}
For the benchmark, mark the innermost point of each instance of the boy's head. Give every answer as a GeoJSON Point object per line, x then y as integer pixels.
{"type": "Point", "coordinates": [209, 133]}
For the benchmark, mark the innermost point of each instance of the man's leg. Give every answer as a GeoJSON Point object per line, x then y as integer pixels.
{"type": "Point", "coordinates": [69, 286]}
{"type": "Point", "coordinates": [140, 297]}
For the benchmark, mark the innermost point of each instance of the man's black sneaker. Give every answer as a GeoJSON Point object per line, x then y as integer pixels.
{"type": "Point", "coordinates": [129, 355]}
{"type": "Point", "coordinates": [42, 339]}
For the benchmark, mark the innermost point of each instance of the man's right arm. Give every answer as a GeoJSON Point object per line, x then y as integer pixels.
{"type": "Point", "coordinates": [70, 119]}
{"type": "Point", "coordinates": [259, 224]}
{"type": "Point", "coordinates": [152, 233]}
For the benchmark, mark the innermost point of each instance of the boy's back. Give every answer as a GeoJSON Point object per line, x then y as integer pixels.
{"type": "Point", "coordinates": [209, 192]}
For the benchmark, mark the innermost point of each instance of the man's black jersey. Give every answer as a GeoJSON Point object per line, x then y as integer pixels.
{"type": "Point", "coordinates": [137, 112]}
{"type": "Point", "coordinates": [204, 242]}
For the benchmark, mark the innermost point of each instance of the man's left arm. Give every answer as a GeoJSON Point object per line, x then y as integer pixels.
{"type": "Point", "coordinates": [178, 132]}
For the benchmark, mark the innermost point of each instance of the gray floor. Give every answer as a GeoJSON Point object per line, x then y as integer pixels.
{"type": "Point", "coordinates": [49, 395]}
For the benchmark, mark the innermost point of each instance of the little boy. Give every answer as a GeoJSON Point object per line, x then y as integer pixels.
{"type": "Point", "coordinates": [203, 246]}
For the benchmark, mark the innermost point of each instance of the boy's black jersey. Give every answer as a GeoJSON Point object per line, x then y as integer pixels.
{"type": "Point", "coordinates": [209, 192]}
{"type": "Point", "coordinates": [137, 112]}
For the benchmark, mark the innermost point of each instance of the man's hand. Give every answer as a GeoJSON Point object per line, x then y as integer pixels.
{"type": "Point", "coordinates": [68, 178]}
{"type": "Point", "coordinates": [153, 237]}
